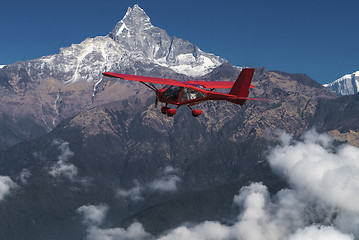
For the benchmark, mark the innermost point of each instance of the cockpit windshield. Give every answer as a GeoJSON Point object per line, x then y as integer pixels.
{"type": "Point", "coordinates": [173, 93]}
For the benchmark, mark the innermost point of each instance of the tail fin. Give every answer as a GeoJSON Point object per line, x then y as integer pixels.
{"type": "Point", "coordinates": [241, 86]}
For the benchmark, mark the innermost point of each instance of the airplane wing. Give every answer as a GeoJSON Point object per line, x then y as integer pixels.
{"type": "Point", "coordinates": [165, 81]}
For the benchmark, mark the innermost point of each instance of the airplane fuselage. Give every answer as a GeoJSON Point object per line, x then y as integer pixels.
{"type": "Point", "coordinates": [184, 96]}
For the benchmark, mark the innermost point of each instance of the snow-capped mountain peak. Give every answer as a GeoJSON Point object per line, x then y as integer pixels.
{"type": "Point", "coordinates": [346, 85]}
{"type": "Point", "coordinates": [134, 21]}
{"type": "Point", "coordinates": [136, 34]}
{"type": "Point", "coordinates": [133, 46]}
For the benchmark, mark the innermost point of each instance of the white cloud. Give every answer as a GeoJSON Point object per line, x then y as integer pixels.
{"type": "Point", "coordinates": [319, 233]}
{"type": "Point", "coordinates": [207, 230]}
{"type": "Point", "coordinates": [324, 178]}
{"type": "Point", "coordinates": [166, 182]}
{"type": "Point", "coordinates": [62, 168]}
{"type": "Point", "coordinates": [255, 222]}
{"type": "Point", "coordinates": [170, 170]}
{"type": "Point", "coordinates": [6, 184]}
{"type": "Point", "coordinates": [93, 214]}
{"type": "Point", "coordinates": [134, 232]}
{"type": "Point", "coordinates": [315, 167]}
{"type": "Point", "coordinates": [24, 176]}
{"type": "Point", "coordinates": [134, 193]}
{"type": "Point", "coordinates": [66, 153]}
{"type": "Point", "coordinates": [93, 217]}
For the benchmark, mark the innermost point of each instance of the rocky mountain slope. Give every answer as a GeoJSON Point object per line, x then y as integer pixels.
{"type": "Point", "coordinates": [346, 85]}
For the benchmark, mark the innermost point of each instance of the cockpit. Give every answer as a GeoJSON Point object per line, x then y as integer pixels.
{"type": "Point", "coordinates": [180, 94]}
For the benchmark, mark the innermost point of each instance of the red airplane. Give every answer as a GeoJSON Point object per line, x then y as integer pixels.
{"type": "Point", "coordinates": [193, 92]}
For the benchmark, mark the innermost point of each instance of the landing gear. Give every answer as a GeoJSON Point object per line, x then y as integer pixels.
{"type": "Point", "coordinates": [170, 112]}
{"type": "Point", "coordinates": [164, 110]}
{"type": "Point", "coordinates": [195, 112]}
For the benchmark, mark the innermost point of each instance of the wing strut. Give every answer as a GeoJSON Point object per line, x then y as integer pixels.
{"type": "Point", "coordinates": [150, 86]}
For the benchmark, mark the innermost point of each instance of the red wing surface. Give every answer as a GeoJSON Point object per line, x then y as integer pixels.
{"type": "Point", "coordinates": [146, 79]}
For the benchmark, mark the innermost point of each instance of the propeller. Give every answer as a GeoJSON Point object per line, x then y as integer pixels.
{"type": "Point", "coordinates": [156, 102]}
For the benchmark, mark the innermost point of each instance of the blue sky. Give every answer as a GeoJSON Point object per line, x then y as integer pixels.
{"type": "Point", "coordinates": [319, 38]}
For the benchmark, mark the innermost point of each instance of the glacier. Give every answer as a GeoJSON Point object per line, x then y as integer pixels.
{"type": "Point", "coordinates": [346, 85]}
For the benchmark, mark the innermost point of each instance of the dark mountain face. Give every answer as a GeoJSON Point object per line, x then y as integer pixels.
{"type": "Point", "coordinates": [339, 117]}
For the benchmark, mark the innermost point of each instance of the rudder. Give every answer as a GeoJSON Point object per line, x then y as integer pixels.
{"type": "Point", "coordinates": [241, 86]}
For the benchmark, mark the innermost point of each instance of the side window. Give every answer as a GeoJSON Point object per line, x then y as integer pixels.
{"type": "Point", "coordinates": [190, 94]}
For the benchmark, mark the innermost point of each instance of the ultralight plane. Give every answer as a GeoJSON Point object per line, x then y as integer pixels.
{"type": "Point", "coordinates": [193, 92]}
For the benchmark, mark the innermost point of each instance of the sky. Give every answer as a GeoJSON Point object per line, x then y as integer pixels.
{"type": "Point", "coordinates": [318, 38]}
